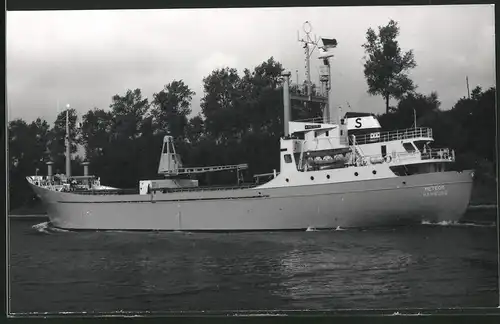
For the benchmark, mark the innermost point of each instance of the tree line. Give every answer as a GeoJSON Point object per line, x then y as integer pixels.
{"type": "Point", "coordinates": [241, 121]}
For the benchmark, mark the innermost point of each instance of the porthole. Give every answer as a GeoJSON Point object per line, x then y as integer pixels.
{"type": "Point", "coordinates": [328, 176]}
{"type": "Point", "coordinates": [356, 174]}
{"type": "Point", "coordinates": [312, 178]}
{"type": "Point", "coordinates": [374, 171]}
{"type": "Point", "coordinates": [286, 180]}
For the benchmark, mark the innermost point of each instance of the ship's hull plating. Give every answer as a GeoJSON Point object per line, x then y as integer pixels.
{"type": "Point", "coordinates": [432, 197]}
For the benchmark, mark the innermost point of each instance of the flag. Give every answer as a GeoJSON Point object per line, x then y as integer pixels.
{"type": "Point", "coordinates": [329, 43]}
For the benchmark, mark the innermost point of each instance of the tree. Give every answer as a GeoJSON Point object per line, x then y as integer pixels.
{"type": "Point", "coordinates": [477, 118]}
{"type": "Point", "coordinates": [128, 112]}
{"type": "Point", "coordinates": [96, 132]}
{"type": "Point", "coordinates": [195, 129]}
{"type": "Point", "coordinates": [171, 106]}
{"type": "Point", "coordinates": [27, 154]}
{"type": "Point", "coordinates": [219, 105]}
{"type": "Point", "coordinates": [262, 98]}
{"type": "Point", "coordinates": [28, 144]}
{"type": "Point", "coordinates": [386, 67]}
{"type": "Point", "coordinates": [410, 105]}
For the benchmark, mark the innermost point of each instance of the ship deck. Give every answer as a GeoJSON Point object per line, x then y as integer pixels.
{"type": "Point", "coordinates": [163, 190]}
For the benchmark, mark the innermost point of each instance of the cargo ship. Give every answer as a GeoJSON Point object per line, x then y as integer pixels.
{"type": "Point", "coordinates": [343, 173]}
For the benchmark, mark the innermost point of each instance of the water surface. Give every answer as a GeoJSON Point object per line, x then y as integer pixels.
{"type": "Point", "coordinates": [427, 266]}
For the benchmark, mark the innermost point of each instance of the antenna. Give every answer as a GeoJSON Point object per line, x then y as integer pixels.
{"type": "Point", "coordinates": [68, 144]}
{"type": "Point", "coordinates": [307, 28]}
{"type": "Point", "coordinates": [414, 118]}
{"type": "Point", "coordinates": [467, 82]}
{"type": "Point", "coordinates": [348, 105]}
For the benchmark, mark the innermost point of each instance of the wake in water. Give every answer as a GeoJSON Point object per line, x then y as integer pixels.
{"type": "Point", "coordinates": [457, 223]}
{"type": "Point", "coordinates": [313, 229]}
{"type": "Point", "coordinates": [47, 228]}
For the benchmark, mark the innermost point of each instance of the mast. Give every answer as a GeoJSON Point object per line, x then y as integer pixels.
{"type": "Point", "coordinates": [68, 145]}
{"type": "Point", "coordinates": [286, 101]}
{"type": "Point", "coordinates": [415, 118]}
{"type": "Point", "coordinates": [326, 75]}
{"type": "Point", "coordinates": [308, 52]}
{"type": "Point", "coordinates": [467, 81]}
{"type": "Point", "coordinates": [321, 97]}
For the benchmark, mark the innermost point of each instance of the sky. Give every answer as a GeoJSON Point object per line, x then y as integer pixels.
{"type": "Point", "coordinates": [83, 58]}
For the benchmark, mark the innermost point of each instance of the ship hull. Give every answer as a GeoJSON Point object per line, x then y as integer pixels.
{"type": "Point", "coordinates": [433, 197]}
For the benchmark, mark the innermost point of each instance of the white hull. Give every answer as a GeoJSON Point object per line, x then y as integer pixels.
{"type": "Point", "coordinates": [442, 196]}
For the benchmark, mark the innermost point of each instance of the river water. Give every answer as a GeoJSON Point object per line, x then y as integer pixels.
{"type": "Point", "coordinates": [426, 266]}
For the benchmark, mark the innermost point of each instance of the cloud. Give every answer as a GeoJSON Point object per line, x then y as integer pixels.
{"type": "Point", "coordinates": [86, 57]}
{"type": "Point", "coordinates": [216, 60]}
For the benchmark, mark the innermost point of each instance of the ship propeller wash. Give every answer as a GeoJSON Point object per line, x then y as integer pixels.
{"type": "Point", "coordinates": [347, 173]}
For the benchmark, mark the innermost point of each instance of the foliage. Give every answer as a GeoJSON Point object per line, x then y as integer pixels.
{"type": "Point", "coordinates": [410, 106]}
{"type": "Point", "coordinates": [386, 66]}
{"type": "Point", "coordinates": [95, 132]}
{"type": "Point", "coordinates": [171, 106]}
{"type": "Point", "coordinates": [27, 153]}
{"type": "Point", "coordinates": [128, 112]}
{"type": "Point", "coordinates": [221, 105]}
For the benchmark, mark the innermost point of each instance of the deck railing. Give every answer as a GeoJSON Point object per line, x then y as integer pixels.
{"type": "Point", "coordinates": [430, 154]}
{"type": "Point", "coordinates": [166, 190]}
{"type": "Point", "coordinates": [400, 134]}
{"type": "Point", "coordinates": [211, 188]}
{"type": "Point", "coordinates": [107, 192]}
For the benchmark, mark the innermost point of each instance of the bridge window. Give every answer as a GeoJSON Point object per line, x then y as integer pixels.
{"type": "Point", "coordinates": [288, 158]}
{"type": "Point", "coordinates": [409, 147]}
{"type": "Point", "coordinates": [422, 145]}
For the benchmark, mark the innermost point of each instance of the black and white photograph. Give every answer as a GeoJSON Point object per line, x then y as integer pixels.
{"type": "Point", "coordinates": [251, 160]}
